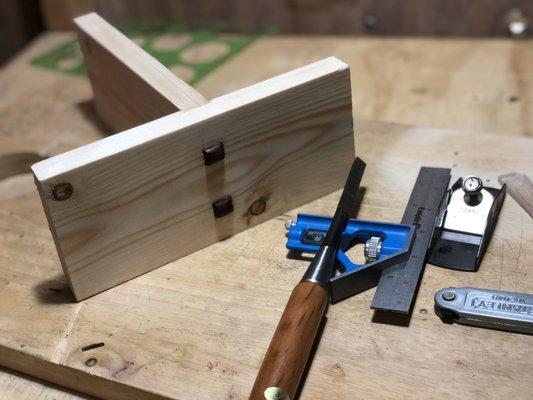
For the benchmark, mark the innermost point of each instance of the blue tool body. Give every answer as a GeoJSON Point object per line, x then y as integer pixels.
{"type": "Point", "coordinates": [307, 232]}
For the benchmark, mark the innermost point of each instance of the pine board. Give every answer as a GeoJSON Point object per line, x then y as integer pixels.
{"type": "Point", "coordinates": [130, 87]}
{"type": "Point", "coordinates": [143, 197]}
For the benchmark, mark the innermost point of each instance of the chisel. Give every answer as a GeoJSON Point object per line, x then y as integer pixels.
{"type": "Point", "coordinates": [288, 353]}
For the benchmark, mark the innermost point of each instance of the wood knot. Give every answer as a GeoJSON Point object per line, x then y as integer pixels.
{"type": "Point", "coordinates": [258, 206]}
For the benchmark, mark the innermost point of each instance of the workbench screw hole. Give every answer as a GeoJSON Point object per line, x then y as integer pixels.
{"type": "Point", "coordinates": [62, 191]}
{"type": "Point", "coordinates": [370, 22]}
{"type": "Point", "coordinates": [91, 362]}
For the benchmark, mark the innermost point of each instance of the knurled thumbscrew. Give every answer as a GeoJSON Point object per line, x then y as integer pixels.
{"type": "Point", "coordinates": [372, 249]}
{"type": "Point", "coordinates": [472, 185]}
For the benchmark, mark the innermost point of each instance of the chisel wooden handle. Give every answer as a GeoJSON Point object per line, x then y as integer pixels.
{"type": "Point", "coordinates": [289, 349]}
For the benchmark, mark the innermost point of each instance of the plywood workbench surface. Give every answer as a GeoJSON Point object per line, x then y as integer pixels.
{"type": "Point", "coordinates": [198, 328]}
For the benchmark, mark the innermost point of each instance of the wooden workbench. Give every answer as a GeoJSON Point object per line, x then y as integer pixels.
{"type": "Point", "coordinates": [469, 85]}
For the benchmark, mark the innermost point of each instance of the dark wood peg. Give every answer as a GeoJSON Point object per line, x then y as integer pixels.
{"type": "Point", "coordinates": [213, 153]}
{"type": "Point", "coordinates": [223, 206]}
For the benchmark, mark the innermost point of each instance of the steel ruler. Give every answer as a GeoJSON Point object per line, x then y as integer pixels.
{"type": "Point", "coordinates": [398, 284]}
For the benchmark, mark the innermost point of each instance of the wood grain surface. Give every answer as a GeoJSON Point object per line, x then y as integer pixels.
{"type": "Point", "coordinates": [289, 349]}
{"type": "Point", "coordinates": [205, 327]}
{"type": "Point", "coordinates": [16, 386]}
{"type": "Point", "coordinates": [130, 86]}
{"type": "Point", "coordinates": [520, 188]}
{"type": "Point", "coordinates": [143, 197]}
{"type": "Point", "coordinates": [477, 85]}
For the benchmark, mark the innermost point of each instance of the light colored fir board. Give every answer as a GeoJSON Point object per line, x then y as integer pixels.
{"type": "Point", "coordinates": [130, 86]}
{"type": "Point", "coordinates": [198, 327]}
{"type": "Point", "coordinates": [144, 197]}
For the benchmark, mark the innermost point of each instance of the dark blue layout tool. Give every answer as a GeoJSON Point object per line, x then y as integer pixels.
{"type": "Point", "coordinates": [394, 253]}
{"type": "Point", "coordinates": [386, 244]}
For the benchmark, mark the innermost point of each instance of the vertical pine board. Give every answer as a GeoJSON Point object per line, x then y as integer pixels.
{"type": "Point", "coordinates": [143, 198]}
